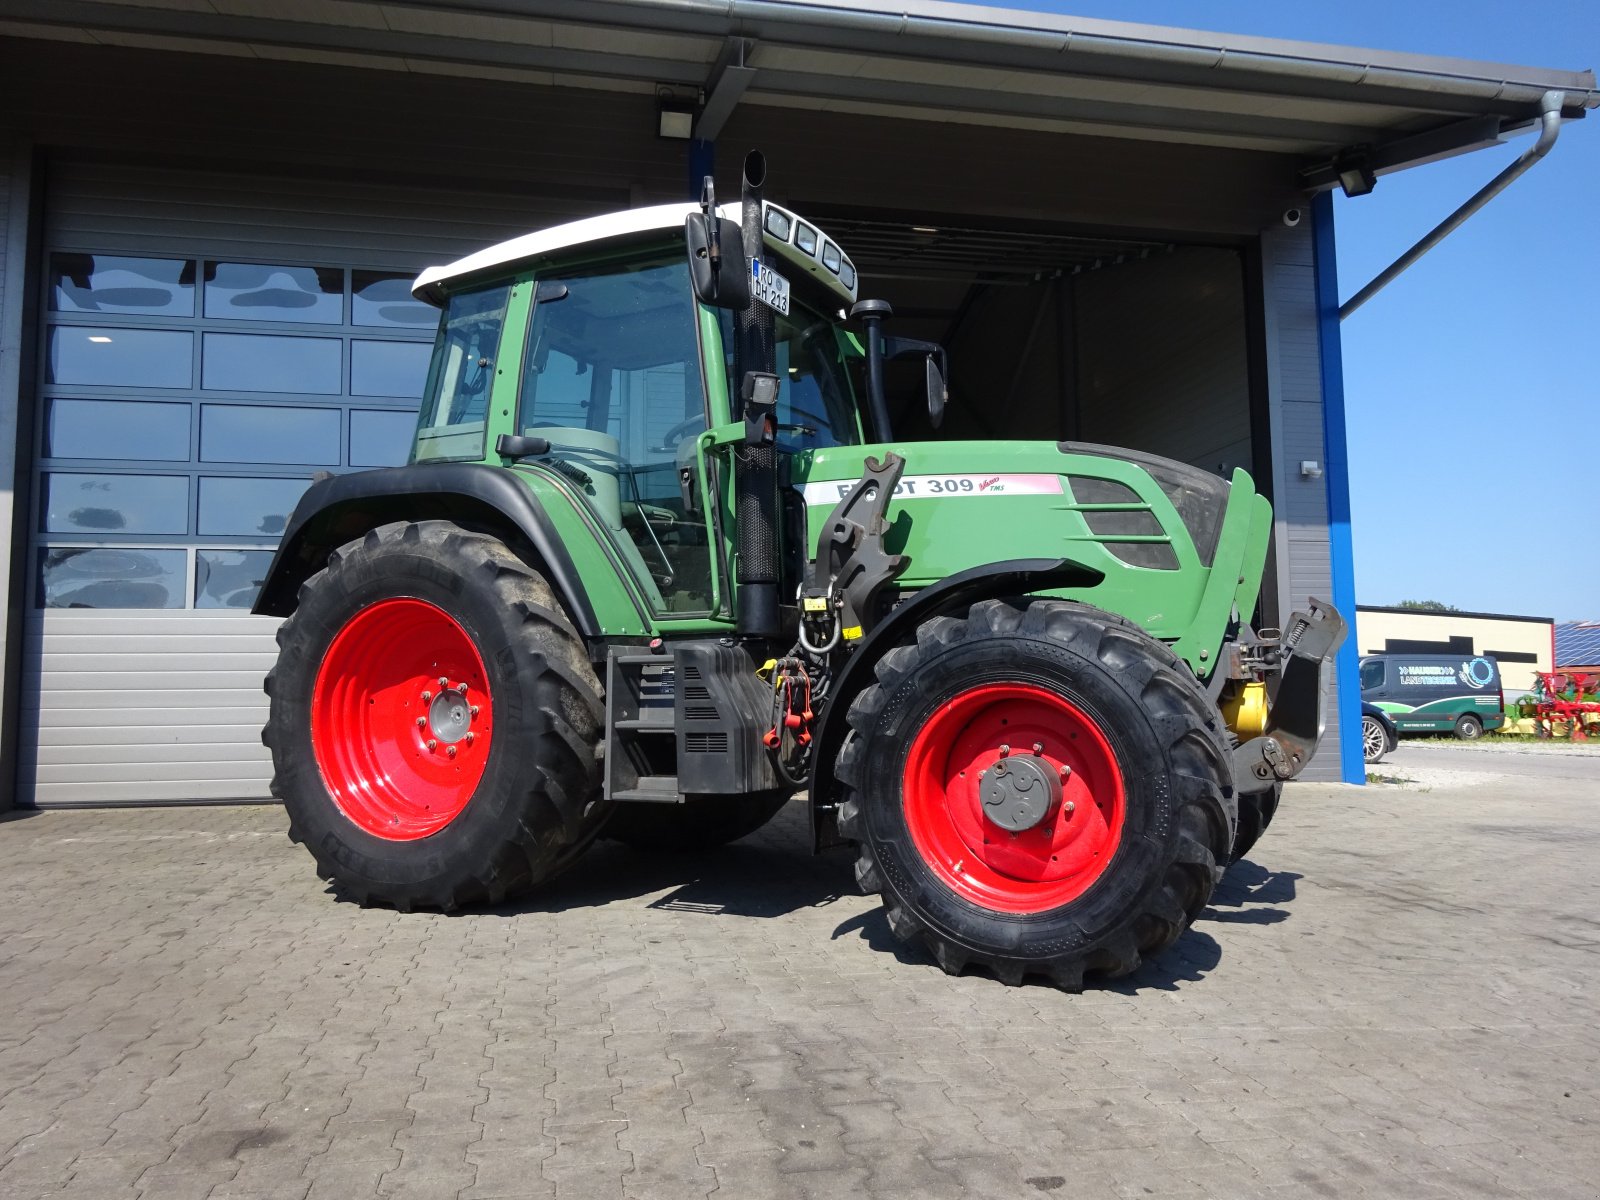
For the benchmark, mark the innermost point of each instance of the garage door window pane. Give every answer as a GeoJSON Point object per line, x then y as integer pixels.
{"type": "Point", "coordinates": [253, 292]}
{"type": "Point", "coordinates": [389, 368]}
{"type": "Point", "coordinates": [111, 577]}
{"type": "Point", "coordinates": [252, 362]}
{"type": "Point", "coordinates": [107, 283]}
{"type": "Point", "coordinates": [249, 507]}
{"type": "Point", "coordinates": [380, 439]}
{"type": "Point", "coordinates": [229, 578]}
{"type": "Point", "coordinates": [153, 358]}
{"type": "Point", "coordinates": [119, 429]}
{"type": "Point", "coordinates": [259, 433]}
{"type": "Point", "coordinates": [82, 503]}
{"type": "Point", "coordinates": [384, 298]}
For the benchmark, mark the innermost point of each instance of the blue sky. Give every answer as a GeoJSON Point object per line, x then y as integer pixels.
{"type": "Point", "coordinates": [1471, 382]}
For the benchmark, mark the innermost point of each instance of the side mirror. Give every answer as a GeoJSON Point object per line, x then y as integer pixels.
{"type": "Point", "coordinates": [717, 268]}
{"type": "Point", "coordinates": [937, 392]}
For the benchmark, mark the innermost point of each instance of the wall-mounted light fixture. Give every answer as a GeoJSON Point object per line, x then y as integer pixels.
{"type": "Point", "coordinates": [676, 118]}
{"type": "Point", "coordinates": [1310, 468]}
{"type": "Point", "coordinates": [1354, 168]}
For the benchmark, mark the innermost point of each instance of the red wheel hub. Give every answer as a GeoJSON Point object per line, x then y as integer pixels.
{"type": "Point", "coordinates": [951, 770]}
{"type": "Point", "coordinates": [401, 719]}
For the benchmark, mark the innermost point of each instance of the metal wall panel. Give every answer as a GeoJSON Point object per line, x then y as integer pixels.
{"type": "Point", "coordinates": [1294, 389]}
{"type": "Point", "coordinates": [123, 705]}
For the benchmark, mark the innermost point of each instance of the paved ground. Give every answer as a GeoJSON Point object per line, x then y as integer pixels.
{"type": "Point", "coordinates": [1397, 997]}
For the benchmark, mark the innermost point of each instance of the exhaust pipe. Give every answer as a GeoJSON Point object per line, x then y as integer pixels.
{"type": "Point", "coordinates": [755, 465]}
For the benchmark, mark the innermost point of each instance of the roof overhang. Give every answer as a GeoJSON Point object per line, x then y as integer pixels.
{"type": "Point", "coordinates": [922, 59]}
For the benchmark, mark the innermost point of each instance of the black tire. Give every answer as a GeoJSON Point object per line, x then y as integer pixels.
{"type": "Point", "coordinates": [1256, 810]}
{"type": "Point", "coordinates": [1468, 727]}
{"type": "Point", "coordinates": [1166, 737]}
{"type": "Point", "coordinates": [536, 804]}
{"type": "Point", "coordinates": [699, 823]}
{"type": "Point", "coordinates": [1374, 740]}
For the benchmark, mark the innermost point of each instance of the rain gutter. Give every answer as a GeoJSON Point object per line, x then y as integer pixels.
{"type": "Point", "coordinates": [1549, 130]}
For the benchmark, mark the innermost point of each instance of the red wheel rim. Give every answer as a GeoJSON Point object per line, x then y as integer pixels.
{"type": "Point", "coordinates": [1035, 869]}
{"type": "Point", "coordinates": [400, 751]}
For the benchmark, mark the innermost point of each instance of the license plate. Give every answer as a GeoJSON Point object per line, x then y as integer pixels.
{"type": "Point", "coordinates": [770, 288]}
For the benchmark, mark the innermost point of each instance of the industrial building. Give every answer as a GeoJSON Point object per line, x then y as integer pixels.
{"type": "Point", "coordinates": [210, 214]}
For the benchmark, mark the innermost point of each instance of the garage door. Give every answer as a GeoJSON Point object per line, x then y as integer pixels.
{"type": "Point", "coordinates": [210, 342]}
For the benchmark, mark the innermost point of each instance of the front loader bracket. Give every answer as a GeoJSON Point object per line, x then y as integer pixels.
{"type": "Point", "coordinates": [852, 567]}
{"type": "Point", "coordinates": [1296, 722]}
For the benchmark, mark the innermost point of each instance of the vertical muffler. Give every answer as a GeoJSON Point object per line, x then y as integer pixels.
{"type": "Point", "coordinates": [755, 462]}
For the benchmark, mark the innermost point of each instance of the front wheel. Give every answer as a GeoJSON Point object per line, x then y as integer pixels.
{"type": "Point", "coordinates": [1374, 740]}
{"type": "Point", "coordinates": [435, 722]}
{"type": "Point", "coordinates": [1037, 788]}
{"type": "Point", "coordinates": [1468, 727]}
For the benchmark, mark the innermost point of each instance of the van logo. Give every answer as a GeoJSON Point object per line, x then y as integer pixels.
{"type": "Point", "coordinates": [1477, 672]}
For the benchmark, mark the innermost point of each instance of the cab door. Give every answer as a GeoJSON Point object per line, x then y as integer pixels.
{"type": "Point", "coordinates": [611, 377]}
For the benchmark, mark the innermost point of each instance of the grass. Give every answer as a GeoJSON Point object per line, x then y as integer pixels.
{"type": "Point", "coordinates": [1380, 777]}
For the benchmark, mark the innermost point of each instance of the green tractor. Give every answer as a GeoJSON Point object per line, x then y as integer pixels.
{"type": "Point", "coordinates": [658, 564]}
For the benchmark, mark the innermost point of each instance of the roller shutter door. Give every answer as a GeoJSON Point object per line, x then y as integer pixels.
{"type": "Point", "coordinates": [210, 340]}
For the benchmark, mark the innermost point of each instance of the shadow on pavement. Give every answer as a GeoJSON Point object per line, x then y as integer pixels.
{"type": "Point", "coordinates": [746, 879]}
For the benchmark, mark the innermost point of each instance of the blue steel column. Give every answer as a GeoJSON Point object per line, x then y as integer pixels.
{"type": "Point", "coordinates": [1336, 475]}
{"type": "Point", "coordinates": [702, 162]}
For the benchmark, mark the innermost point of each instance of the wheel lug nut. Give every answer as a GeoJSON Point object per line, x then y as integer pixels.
{"type": "Point", "coordinates": [1065, 770]}
{"type": "Point", "coordinates": [443, 682]}
{"type": "Point", "coordinates": [451, 751]}
{"type": "Point", "coordinates": [426, 696]}
{"type": "Point", "coordinates": [432, 745]}
{"type": "Point", "coordinates": [1038, 747]}
{"type": "Point", "coordinates": [422, 722]}
{"type": "Point", "coordinates": [462, 688]}
{"type": "Point", "coordinates": [470, 737]}
{"type": "Point", "coordinates": [1069, 807]}
{"type": "Point", "coordinates": [1004, 750]}
{"type": "Point", "coordinates": [473, 710]}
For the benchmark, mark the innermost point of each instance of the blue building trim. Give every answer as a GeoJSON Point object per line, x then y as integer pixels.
{"type": "Point", "coordinates": [702, 162]}
{"type": "Point", "coordinates": [1336, 475]}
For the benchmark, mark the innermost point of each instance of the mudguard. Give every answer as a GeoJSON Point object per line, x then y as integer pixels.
{"type": "Point", "coordinates": [339, 508]}
{"type": "Point", "coordinates": [1014, 577]}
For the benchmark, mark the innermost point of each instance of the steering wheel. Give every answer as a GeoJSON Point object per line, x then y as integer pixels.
{"type": "Point", "coordinates": [671, 438]}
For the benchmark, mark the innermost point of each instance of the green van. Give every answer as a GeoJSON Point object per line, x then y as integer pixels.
{"type": "Point", "coordinates": [1436, 693]}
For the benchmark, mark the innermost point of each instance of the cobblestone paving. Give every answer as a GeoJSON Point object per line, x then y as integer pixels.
{"type": "Point", "coordinates": [1397, 997]}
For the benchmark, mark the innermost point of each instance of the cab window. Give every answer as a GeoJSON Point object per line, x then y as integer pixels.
{"type": "Point", "coordinates": [1371, 674]}
{"type": "Point", "coordinates": [453, 422]}
{"type": "Point", "coordinates": [816, 405]}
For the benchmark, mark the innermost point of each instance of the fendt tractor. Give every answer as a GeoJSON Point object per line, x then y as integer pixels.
{"type": "Point", "coordinates": [659, 563]}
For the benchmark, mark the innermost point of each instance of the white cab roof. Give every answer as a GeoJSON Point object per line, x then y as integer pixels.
{"type": "Point", "coordinates": [432, 285]}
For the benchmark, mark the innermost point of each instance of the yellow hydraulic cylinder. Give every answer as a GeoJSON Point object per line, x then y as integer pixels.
{"type": "Point", "coordinates": [1246, 711]}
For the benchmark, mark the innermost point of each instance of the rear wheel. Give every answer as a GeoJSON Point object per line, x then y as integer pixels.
{"type": "Point", "coordinates": [699, 823]}
{"type": "Point", "coordinates": [1037, 788]}
{"type": "Point", "coordinates": [435, 721]}
{"type": "Point", "coordinates": [1468, 727]}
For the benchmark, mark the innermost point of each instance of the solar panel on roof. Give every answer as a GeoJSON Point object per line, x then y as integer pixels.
{"type": "Point", "coordinates": [1578, 644]}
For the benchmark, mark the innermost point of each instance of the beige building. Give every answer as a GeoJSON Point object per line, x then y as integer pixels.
{"type": "Point", "coordinates": [1522, 645]}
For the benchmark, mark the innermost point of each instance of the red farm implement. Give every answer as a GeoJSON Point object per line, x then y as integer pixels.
{"type": "Point", "coordinates": [1566, 704]}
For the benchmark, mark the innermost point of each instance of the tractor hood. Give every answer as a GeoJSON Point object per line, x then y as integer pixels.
{"type": "Point", "coordinates": [1158, 530]}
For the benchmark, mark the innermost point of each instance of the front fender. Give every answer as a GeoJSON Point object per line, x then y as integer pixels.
{"type": "Point", "coordinates": [340, 508]}
{"type": "Point", "coordinates": [1014, 577]}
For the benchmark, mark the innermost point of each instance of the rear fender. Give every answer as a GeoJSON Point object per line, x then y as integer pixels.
{"type": "Point", "coordinates": [1015, 577]}
{"type": "Point", "coordinates": [338, 509]}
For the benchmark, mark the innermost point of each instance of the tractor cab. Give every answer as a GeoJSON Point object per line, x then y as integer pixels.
{"type": "Point", "coordinates": [583, 351]}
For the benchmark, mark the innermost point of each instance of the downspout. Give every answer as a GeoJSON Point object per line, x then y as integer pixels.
{"type": "Point", "coordinates": [1549, 128]}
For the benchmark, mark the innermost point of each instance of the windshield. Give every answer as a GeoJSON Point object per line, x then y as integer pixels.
{"type": "Point", "coordinates": [816, 403]}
